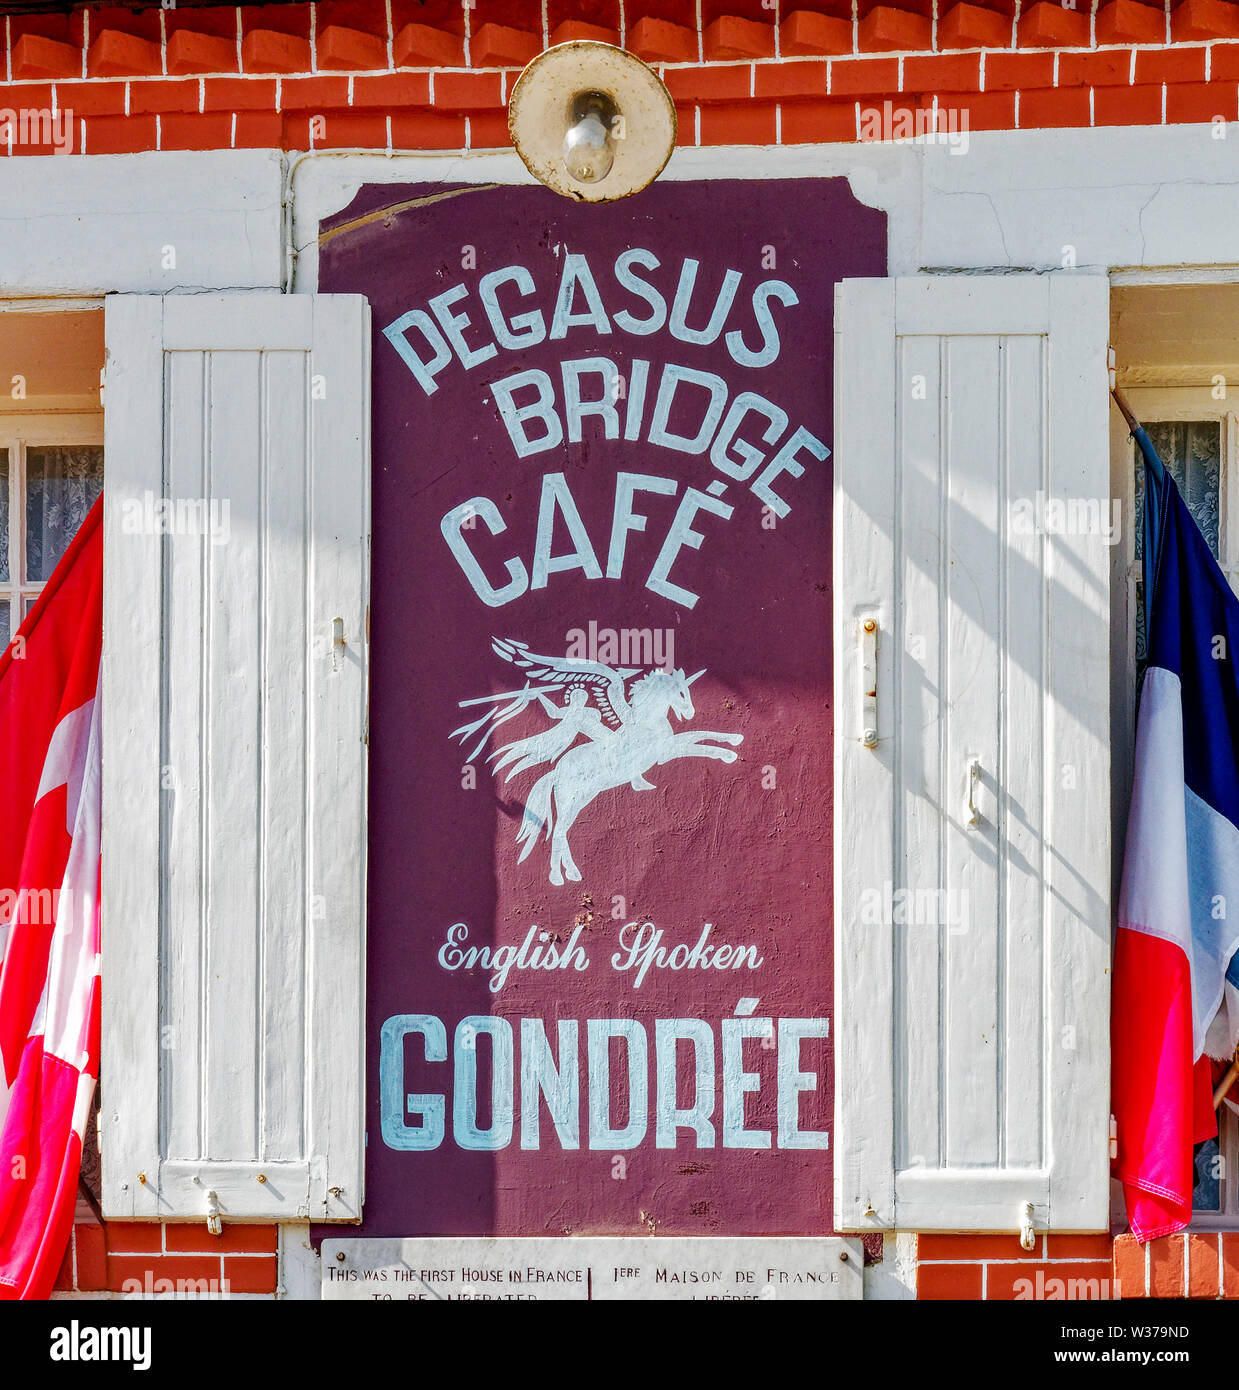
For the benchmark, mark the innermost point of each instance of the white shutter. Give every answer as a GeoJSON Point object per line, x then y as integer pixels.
{"type": "Point", "coordinates": [234, 779]}
{"type": "Point", "coordinates": [972, 1046]}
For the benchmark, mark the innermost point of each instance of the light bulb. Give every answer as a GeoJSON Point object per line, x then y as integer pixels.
{"type": "Point", "coordinates": [588, 149]}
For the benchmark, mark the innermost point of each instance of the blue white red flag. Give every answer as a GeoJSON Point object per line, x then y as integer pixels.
{"type": "Point", "coordinates": [1178, 920]}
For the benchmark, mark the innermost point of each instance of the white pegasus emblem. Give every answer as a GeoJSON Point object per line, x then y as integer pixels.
{"type": "Point", "coordinates": [625, 733]}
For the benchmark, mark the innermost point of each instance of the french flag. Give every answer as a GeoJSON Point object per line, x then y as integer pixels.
{"type": "Point", "coordinates": [1178, 919]}
{"type": "Point", "coordinates": [50, 767]}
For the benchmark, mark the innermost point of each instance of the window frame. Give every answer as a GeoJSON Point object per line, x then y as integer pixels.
{"type": "Point", "coordinates": [20, 431]}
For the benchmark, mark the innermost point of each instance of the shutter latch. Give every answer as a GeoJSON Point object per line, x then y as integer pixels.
{"type": "Point", "coordinates": [869, 682]}
{"type": "Point", "coordinates": [215, 1226]}
{"type": "Point", "coordinates": [1027, 1240]}
{"type": "Point", "coordinates": [972, 813]}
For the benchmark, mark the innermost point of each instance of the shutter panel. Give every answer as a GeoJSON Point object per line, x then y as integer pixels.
{"type": "Point", "coordinates": [972, 1046]}
{"type": "Point", "coordinates": [234, 793]}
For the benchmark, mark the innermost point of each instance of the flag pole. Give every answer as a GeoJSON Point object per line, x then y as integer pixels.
{"type": "Point", "coordinates": [1227, 1081]}
{"type": "Point", "coordinates": [1134, 425]}
{"type": "Point", "coordinates": [1121, 401]}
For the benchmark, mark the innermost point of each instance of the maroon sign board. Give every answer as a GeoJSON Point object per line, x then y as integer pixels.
{"type": "Point", "coordinates": [599, 940]}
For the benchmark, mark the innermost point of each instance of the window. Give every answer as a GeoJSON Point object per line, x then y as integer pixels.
{"type": "Point", "coordinates": [51, 472]}
{"type": "Point", "coordinates": [51, 441]}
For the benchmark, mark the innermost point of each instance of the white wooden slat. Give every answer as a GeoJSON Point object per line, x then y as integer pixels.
{"type": "Point", "coordinates": [1078, 741]}
{"type": "Point", "coordinates": [285, 642]}
{"type": "Point", "coordinates": [339, 502]}
{"type": "Point", "coordinates": [133, 434]}
{"type": "Point", "coordinates": [183, 934]}
{"type": "Point", "coordinates": [218, 323]}
{"type": "Point", "coordinates": [1022, 779]}
{"type": "Point", "coordinates": [997, 1078]}
{"type": "Point", "coordinates": [963, 305]}
{"type": "Point", "coordinates": [283, 1194]}
{"type": "Point", "coordinates": [971, 1199]}
{"type": "Point", "coordinates": [864, 559]}
{"type": "Point", "coordinates": [240, 1029]}
{"type": "Point", "coordinates": [232, 699]}
{"type": "Point", "coordinates": [972, 576]}
{"type": "Point", "coordinates": [919, 831]}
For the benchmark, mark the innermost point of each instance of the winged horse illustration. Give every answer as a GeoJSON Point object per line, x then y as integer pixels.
{"type": "Point", "coordinates": [591, 747]}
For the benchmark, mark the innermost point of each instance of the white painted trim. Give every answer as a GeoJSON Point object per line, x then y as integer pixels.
{"type": "Point", "coordinates": [1151, 203]}
{"type": "Point", "coordinates": [323, 183]}
{"type": "Point", "coordinates": [1175, 275]}
{"type": "Point", "coordinates": [893, 1277]}
{"type": "Point", "coordinates": [1119, 197]}
{"type": "Point", "coordinates": [51, 304]}
{"type": "Point", "coordinates": [78, 226]}
{"type": "Point", "coordinates": [864, 1140]}
{"type": "Point", "coordinates": [39, 426]}
{"type": "Point", "coordinates": [133, 448]}
{"type": "Point", "coordinates": [300, 1277]}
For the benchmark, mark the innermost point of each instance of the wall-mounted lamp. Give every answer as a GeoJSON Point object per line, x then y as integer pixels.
{"type": "Point", "coordinates": [591, 121]}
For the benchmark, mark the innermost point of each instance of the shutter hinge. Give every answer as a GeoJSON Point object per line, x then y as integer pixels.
{"type": "Point", "coordinates": [1114, 1137]}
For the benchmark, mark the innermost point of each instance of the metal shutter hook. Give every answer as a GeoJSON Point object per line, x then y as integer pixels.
{"type": "Point", "coordinates": [971, 815]}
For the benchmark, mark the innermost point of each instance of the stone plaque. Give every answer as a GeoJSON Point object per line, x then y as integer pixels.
{"type": "Point", "coordinates": [712, 1268]}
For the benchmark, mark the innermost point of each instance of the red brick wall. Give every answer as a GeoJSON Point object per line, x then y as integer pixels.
{"type": "Point", "coordinates": [147, 1258]}
{"type": "Point", "coordinates": [992, 1267]}
{"type": "Point", "coordinates": [1080, 1267]}
{"type": "Point", "coordinates": [436, 75]}
{"type": "Point", "coordinates": [1191, 1266]}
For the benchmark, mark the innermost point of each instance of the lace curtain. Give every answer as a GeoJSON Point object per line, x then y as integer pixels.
{"type": "Point", "coordinates": [62, 482]}
{"type": "Point", "coordinates": [1192, 452]}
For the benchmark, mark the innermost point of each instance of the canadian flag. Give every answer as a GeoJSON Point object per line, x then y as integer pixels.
{"type": "Point", "coordinates": [49, 912]}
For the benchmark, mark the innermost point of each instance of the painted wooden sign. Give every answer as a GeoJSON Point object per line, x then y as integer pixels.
{"type": "Point", "coordinates": [599, 861]}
